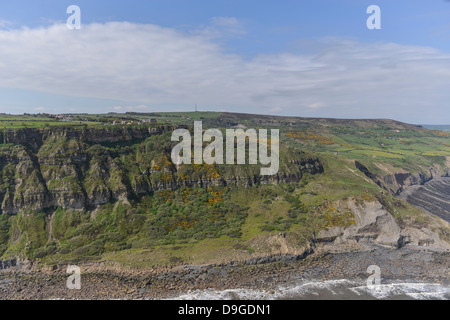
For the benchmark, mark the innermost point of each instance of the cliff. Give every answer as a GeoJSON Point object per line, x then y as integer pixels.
{"type": "Point", "coordinates": [432, 196]}
{"type": "Point", "coordinates": [83, 168]}
{"type": "Point", "coordinates": [80, 193]}
{"type": "Point", "coordinates": [374, 224]}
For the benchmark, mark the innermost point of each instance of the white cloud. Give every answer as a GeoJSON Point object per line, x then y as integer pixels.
{"type": "Point", "coordinates": [5, 24]}
{"type": "Point", "coordinates": [131, 108]}
{"type": "Point", "coordinates": [229, 24]}
{"type": "Point", "coordinates": [220, 28]}
{"type": "Point", "coordinates": [152, 65]}
{"type": "Point", "coordinates": [316, 105]}
{"type": "Point", "coordinates": [275, 110]}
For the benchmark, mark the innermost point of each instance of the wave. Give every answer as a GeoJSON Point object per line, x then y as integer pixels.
{"type": "Point", "coordinates": [327, 290]}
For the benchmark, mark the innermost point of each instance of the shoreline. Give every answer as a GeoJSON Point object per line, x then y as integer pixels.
{"type": "Point", "coordinates": [408, 264]}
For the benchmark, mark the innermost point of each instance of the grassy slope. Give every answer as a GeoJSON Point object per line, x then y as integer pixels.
{"type": "Point", "coordinates": [383, 146]}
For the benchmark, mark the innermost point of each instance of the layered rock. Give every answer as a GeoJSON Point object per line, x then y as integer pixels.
{"type": "Point", "coordinates": [15, 265]}
{"type": "Point", "coordinates": [434, 197]}
{"type": "Point", "coordinates": [401, 181]}
{"type": "Point", "coordinates": [375, 224]}
{"type": "Point", "coordinates": [35, 138]}
{"type": "Point", "coordinates": [76, 169]}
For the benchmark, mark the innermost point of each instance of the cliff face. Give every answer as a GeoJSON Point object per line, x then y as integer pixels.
{"type": "Point", "coordinates": [433, 196]}
{"type": "Point", "coordinates": [429, 191]}
{"type": "Point", "coordinates": [398, 182]}
{"type": "Point", "coordinates": [35, 138]}
{"type": "Point", "coordinates": [373, 223]}
{"type": "Point", "coordinates": [83, 168]}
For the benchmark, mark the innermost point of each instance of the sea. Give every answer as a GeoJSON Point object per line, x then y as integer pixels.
{"type": "Point", "coordinates": [329, 290]}
{"type": "Point", "coordinates": [445, 128]}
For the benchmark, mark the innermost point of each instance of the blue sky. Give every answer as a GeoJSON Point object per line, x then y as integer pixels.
{"type": "Point", "coordinates": [287, 57]}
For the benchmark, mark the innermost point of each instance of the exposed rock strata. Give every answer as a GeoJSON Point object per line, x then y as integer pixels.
{"type": "Point", "coordinates": [434, 197]}
{"type": "Point", "coordinates": [69, 168]}
{"type": "Point", "coordinates": [430, 192]}
{"type": "Point", "coordinates": [374, 224]}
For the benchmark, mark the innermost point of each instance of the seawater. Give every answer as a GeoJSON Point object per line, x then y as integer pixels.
{"type": "Point", "coordinates": [328, 290]}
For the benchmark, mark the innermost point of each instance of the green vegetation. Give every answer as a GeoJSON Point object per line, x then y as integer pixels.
{"type": "Point", "coordinates": [69, 194]}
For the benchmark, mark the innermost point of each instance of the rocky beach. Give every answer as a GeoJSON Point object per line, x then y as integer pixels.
{"type": "Point", "coordinates": [406, 273]}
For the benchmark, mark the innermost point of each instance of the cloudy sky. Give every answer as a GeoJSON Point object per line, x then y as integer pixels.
{"type": "Point", "coordinates": [287, 57]}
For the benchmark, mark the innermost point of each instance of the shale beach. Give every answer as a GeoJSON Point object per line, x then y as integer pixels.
{"type": "Point", "coordinates": [407, 273]}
